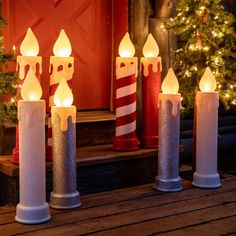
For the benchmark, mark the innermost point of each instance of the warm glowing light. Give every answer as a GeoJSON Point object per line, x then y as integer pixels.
{"type": "Point", "coordinates": [170, 84]}
{"type": "Point", "coordinates": [63, 96]}
{"type": "Point", "coordinates": [207, 82]}
{"type": "Point", "coordinates": [29, 46]}
{"type": "Point", "coordinates": [31, 89]}
{"type": "Point", "coordinates": [126, 48]}
{"type": "Point", "coordinates": [62, 47]}
{"type": "Point", "coordinates": [14, 48]}
{"type": "Point", "coordinates": [150, 48]}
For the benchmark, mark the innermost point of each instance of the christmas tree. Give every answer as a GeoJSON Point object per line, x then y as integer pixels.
{"type": "Point", "coordinates": [8, 84]}
{"type": "Point", "coordinates": [208, 38]}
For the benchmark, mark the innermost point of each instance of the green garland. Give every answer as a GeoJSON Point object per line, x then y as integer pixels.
{"type": "Point", "coordinates": [8, 85]}
{"type": "Point", "coordinates": [208, 38]}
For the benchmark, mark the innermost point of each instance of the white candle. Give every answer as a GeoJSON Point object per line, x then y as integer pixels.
{"type": "Point", "coordinates": [29, 60]}
{"type": "Point", "coordinates": [65, 194]}
{"type": "Point", "coordinates": [32, 208]}
{"type": "Point", "coordinates": [207, 103]}
{"type": "Point", "coordinates": [61, 66]}
{"type": "Point", "coordinates": [169, 125]}
{"type": "Point", "coordinates": [29, 49]}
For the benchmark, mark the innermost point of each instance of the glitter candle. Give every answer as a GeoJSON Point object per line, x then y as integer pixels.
{"type": "Point", "coordinates": [169, 128]}
{"type": "Point", "coordinates": [207, 103]}
{"type": "Point", "coordinates": [65, 194]}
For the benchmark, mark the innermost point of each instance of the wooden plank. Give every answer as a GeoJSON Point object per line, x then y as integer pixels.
{"type": "Point", "coordinates": [177, 222]}
{"type": "Point", "coordinates": [226, 226]}
{"type": "Point", "coordinates": [128, 212]}
{"type": "Point", "coordinates": [129, 217]}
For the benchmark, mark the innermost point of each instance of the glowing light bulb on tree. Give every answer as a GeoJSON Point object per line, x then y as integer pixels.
{"type": "Point", "coordinates": [62, 47]}
{"type": "Point", "coordinates": [150, 48]}
{"type": "Point", "coordinates": [207, 82]}
{"type": "Point", "coordinates": [126, 48]}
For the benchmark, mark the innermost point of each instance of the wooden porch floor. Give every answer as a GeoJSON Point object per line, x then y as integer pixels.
{"type": "Point", "coordinates": [138, 211]}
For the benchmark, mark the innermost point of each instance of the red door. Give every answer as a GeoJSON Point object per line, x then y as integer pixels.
{"type": "Point", "coordinates": [88, 24]}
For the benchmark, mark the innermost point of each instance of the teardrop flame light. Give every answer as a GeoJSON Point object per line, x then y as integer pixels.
{"type": "Point", "coordinates": [29, 46]}
{"type": "Point", "coordinates": [150, 48]}
{"type": "Point", "coordinates": [62, 47]}
{"type": "Point", "coordinates": [126, 47]}
{"type": "Point", "coordinates": [208, 81]}
{"type": "Point", "coordinates": [170, 84]}
{"type": "Point", "coordinates": [31, 89]}
{"type": "Point", "coordinates": [63, 96]}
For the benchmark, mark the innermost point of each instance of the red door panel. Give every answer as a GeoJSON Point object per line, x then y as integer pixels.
{"type": "Point", "coordinates": [88, 24]}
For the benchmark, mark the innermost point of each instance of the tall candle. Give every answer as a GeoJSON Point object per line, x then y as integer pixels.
{"type": "Point", "coordinates": [207, 103]}
{"type": "Point", "coordinates": [61, 66]}
{"type": "Point", "coordinates": [27, 61]}
{"type": "Point", "coordinates": [125, 104]}
{"type": "Point", "coordinates": [32, 208]}
{"type": "Point", "coordinates": [169, 125]}
{"type": "Point", "coordinates": [151, 86]}
{"type": "Point", "coordinates": [65, 194]}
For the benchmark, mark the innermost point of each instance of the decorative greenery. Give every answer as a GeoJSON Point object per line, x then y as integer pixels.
{"type": "Point", "coordinates": [208, 38]}
{"type": "Point", "coordinates": [8, 85]}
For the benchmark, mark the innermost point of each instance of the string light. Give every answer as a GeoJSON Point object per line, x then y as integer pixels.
{"type": "Point", "coordinates": [206, 48]}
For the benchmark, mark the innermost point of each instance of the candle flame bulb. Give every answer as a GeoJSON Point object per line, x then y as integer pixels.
{"type": "Point", "coordinates": [29, 46]}
{"type": "Point", "coordinates": [31, 89]}
{"type": "Point", "coordinates": [126, 47]}
{"type": "Point", "coordinates": [62, 47]}
{"type": "Point", "coordinates": [207, 82]}
{"type": "Point", "coordinates": [150, 48]}
{"type": "Point", "coordinates": [170, 84]}
{"type": "Point", "coordinates": [63, 96]}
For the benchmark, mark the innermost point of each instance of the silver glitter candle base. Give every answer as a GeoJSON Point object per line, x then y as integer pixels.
{"type": "Point", "coordinates": [65, 201]}
{"type": "Point", "coordinates": [168, 179]}
{"type": "Point", "coordinates": [170, 185]}
{"type": "Point", "coordinates": [64, 194]}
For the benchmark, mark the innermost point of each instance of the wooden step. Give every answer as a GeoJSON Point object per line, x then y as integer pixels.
{"type": "Point", "coordinates": [92, 128]}
{"type": "Point", "coordinates": [98, 169]}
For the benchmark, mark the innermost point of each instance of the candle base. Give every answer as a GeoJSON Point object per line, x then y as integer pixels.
{"type": "Point", "coordinates": [149, 141]}
{"type": "Point", "coordinates": [206, 181]}
{"type": "Point", "coordinates": [126, 144]}
{"type": "Point", "coordinates": [32, 214]}
{"type": "Point", "coordinates": [65, 201]}
{"type": "Point", "coordinates": [168, 185]}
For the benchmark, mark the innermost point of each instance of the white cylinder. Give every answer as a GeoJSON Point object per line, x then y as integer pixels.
{"type": "Point", "coordinates": [32, 208]}
{"type": "Point", "coordinates": [206, 175]}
